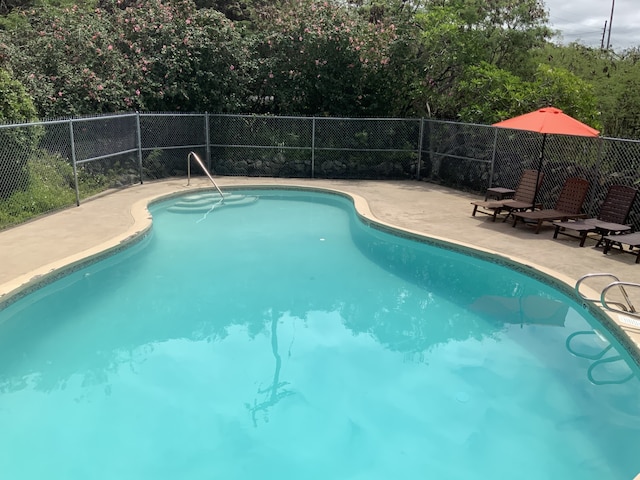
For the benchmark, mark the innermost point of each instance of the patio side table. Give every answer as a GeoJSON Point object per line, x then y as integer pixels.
{"type": "Point", "coordinates": [498, 193]}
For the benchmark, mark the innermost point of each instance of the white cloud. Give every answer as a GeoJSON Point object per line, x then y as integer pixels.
{"type": "Point", "coordinates": [584, 21]}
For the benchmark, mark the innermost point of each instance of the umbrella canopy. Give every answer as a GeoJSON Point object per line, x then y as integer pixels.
{"type": "Point", "coordinates": [547, 121]}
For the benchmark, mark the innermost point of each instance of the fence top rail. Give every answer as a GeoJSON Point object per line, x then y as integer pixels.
{"type": "Point", "coordinates": [614, 139]}
{"type": "Point", "coordinates": [293, 117]}
{"type": "Point", "coordinates": [370, 119]}
{"type": "Point", "coordinates": [33, 124]}
{"type": "Point", "coordinates": [170, 114]}
{"type": "Point", "coordinates": [104, 117]}
{"type": "Point", "coordinates": [248, 115]}
{"type": "Point", "coordinates": [451, 122]}
{"type": "Point", "coordinates": [67, 120]}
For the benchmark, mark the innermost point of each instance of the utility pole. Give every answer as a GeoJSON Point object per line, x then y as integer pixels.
{"type": "Point", "coordinates": [604, 32]}
{"type": "Point", "coordinates": [613, 4]}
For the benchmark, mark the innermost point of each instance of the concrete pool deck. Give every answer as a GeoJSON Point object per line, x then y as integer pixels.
{"type": "Point", "coordinates": [34, 249]}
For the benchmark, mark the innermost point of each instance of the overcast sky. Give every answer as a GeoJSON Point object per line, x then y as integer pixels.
{"type": "Point", "coordinates": [583, 21]}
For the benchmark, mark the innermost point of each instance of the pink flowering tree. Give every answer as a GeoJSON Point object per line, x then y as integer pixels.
{"type": "Point", "coordinates": [149, 56]}
{"type": "Point", "coordinates": [189, 59]}
{"type": "Point", "coordinates": [320, 58]}
{"type": "Point", "coordinates": [64, 62]}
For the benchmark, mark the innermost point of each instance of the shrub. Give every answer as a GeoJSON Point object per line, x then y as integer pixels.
{"type": "Point", "coordinates": [16, 143]}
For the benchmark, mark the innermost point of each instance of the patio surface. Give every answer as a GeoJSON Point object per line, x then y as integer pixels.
{"type": "Point", "coordinates": [39, 247]}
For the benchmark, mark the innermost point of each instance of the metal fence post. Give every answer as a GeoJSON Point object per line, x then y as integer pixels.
{"type": "Point", "coordinates": [207, 140]}
{"type": "Point", "coordinates": [493, 156]}
{"type": "Point", "coordinates": [139, 138]}
{"type": "Point", "coordinates": [73, 161]}
{"type": "Point", "coordinates": [420, 140]}
{"type": "Point", "coordinates": [596, 173]}
{"type": "Point", "coordinates": [313, 146]}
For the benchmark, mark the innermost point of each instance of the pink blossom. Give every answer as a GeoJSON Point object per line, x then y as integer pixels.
{"type": "Point", "coordinates": [110, 47]}
{"type": "Point", "coordinates": [100, 87]}
{"type": "Point", "coordinates": [232, 68]}
{"type": "Point", "coordinates": [137, 92]}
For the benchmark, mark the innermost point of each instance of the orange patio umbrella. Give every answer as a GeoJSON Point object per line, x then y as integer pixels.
{"type": "Point", "coordinates": [548, 121]}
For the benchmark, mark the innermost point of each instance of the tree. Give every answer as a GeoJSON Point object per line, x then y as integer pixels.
{"type": "Point", "coordinates": [319, 58]}
{"type": "Point", "coordinates": [16, 143]}
{"type": "Point", "coordinates": [488, 94]}
{"type": "Point", "coordinates": [614, 79]}
{"type": "Point", "coordinates": [15, 104]}
{"type": "Point", "coordinates": [446, 37]}
{"type": "Point", "coordinates": [152, 56]}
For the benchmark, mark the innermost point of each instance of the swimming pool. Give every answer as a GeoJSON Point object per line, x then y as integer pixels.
{"type": "Point", "coordinates": [285, 338]}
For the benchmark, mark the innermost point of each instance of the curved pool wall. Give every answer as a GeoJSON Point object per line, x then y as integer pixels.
{"type": "Point", "coordinates": [143, 225]}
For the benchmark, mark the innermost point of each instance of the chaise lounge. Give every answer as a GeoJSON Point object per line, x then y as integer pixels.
{"type": "Point", "coordinates": [568, 205]}
{"type": "Point", "coordinates": [522, 199]}
{"type": "Point", "coordinates": [610, 220]}
{"type": "Point", "coordinates": [631, 239]}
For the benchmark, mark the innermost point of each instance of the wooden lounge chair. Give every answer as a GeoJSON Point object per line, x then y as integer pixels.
{"type": "Point", "coordinates": [522, 199]}
{"type": "Point", "coordinates": [610, 220]}
{"type": "Point", "coordinates": [568, 205]}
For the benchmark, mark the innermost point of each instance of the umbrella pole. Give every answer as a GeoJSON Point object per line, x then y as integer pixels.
{"type": "Point", "coordinates": [535, 194]}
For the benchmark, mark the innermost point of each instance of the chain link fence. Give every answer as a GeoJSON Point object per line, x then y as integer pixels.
{"type": "Point", "coordinates": [50, 165]}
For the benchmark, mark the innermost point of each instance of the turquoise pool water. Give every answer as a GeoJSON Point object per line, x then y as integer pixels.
{"type": "Point", "coordinates": [282, 338]}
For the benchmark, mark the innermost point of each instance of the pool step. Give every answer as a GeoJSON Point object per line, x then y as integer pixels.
{"type": "Point", "coordinates": [202, 203]}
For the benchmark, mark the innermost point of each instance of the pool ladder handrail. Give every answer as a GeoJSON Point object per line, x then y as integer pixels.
{"type": "Point", "coordinates": [204, 169]}
{"type": "Point", "coordinates": [598, 358]}
{"type": "Point", "coordinates": [627, 308]}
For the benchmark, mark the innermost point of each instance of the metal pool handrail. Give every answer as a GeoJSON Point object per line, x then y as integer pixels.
{"type": "Point", "coordinates": [627, 308]}
{"type": "Point", "coordinates": [204, 169]}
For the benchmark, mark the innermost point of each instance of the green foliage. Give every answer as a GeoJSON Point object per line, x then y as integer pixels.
{"type": "Point", "coordinates": [448, 37]}
{"type": "Point", "coordinates": [50, 187]}
{"type": "Point", "coordinates": [15, 103]}
{"type": "Point", "coordinates": [15, 143]}
{"type": "Point", "coordinates": [564, 90]}
{"type": "Point", "coordinates": [615, 79]}
{"type": "Point", "coordinates": [152, 56]}
{"type": "Point", "coordinates": [319, 58]}
{"type": "Point", "coordinates": [489, 94]}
